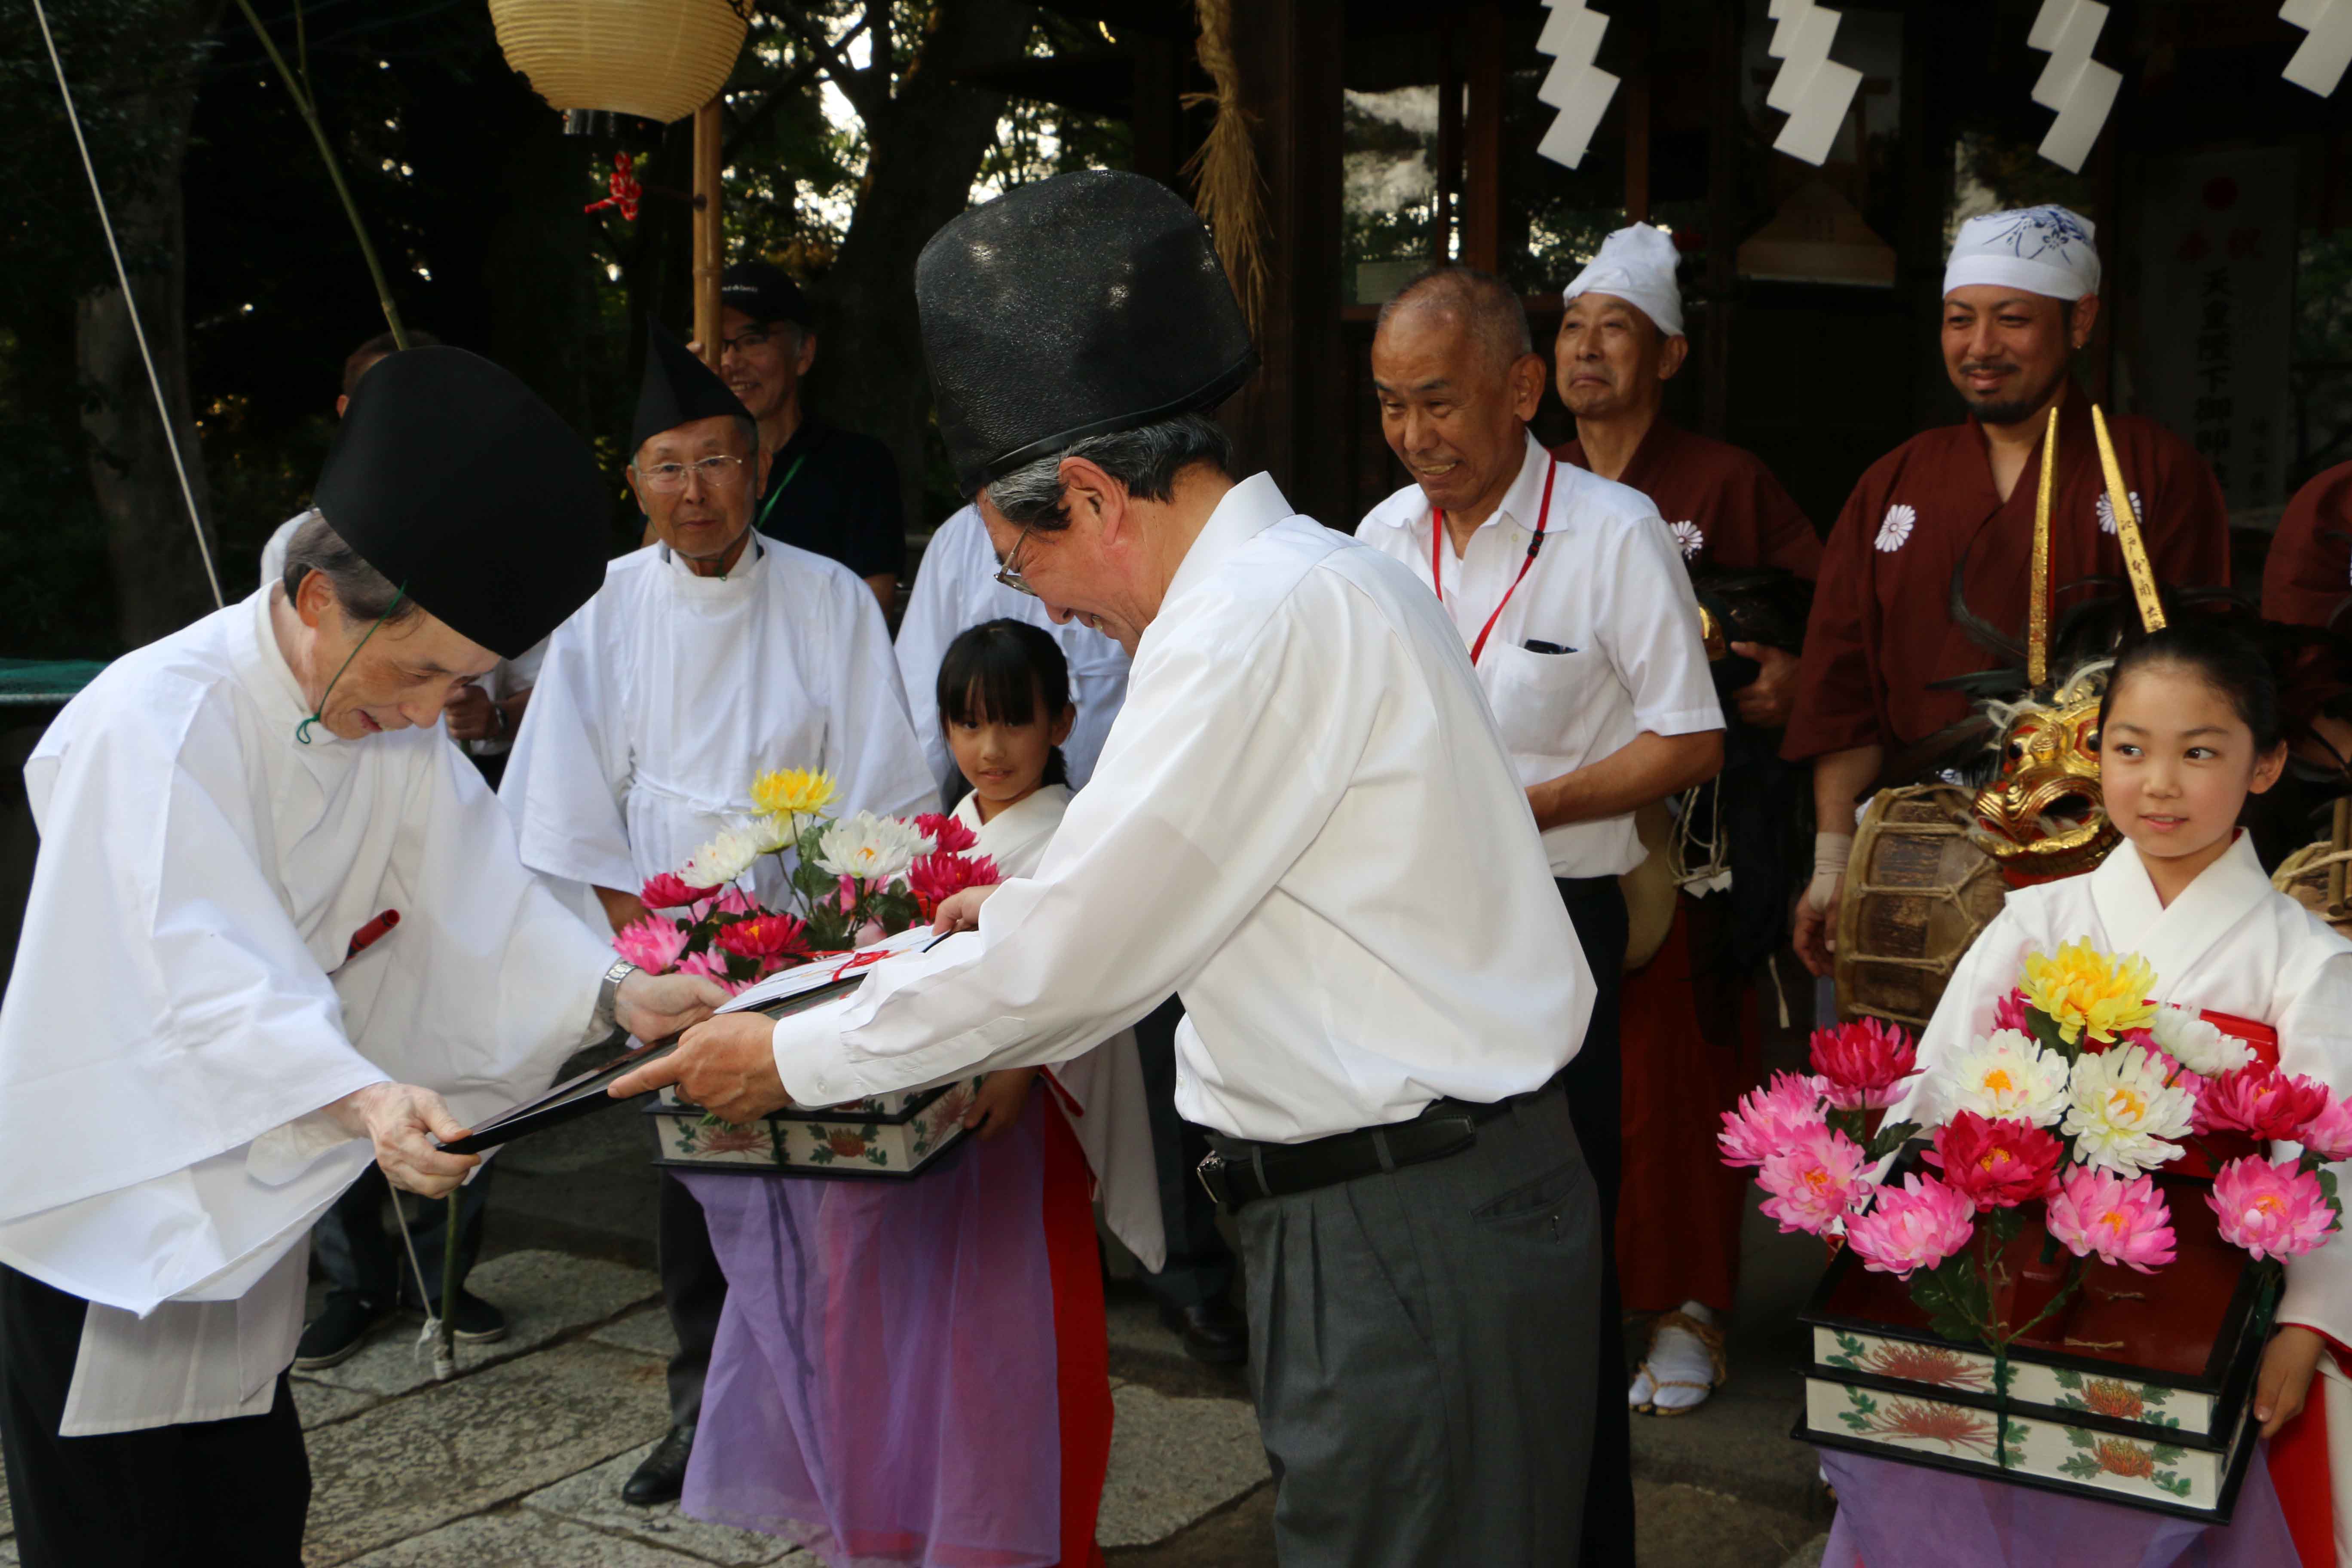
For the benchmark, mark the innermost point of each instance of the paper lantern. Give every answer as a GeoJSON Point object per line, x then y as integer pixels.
{"type": "Point", "coordinates": [660, 59]}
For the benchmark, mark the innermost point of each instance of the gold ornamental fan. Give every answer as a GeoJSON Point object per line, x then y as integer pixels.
{"type": "Point", "coordinates": [660, 59]}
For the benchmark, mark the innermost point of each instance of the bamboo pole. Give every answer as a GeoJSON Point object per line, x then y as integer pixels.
{"type": "Point", "coordinates": [310, 111]}
{"type": "Point", "coordinates": [709, 237]}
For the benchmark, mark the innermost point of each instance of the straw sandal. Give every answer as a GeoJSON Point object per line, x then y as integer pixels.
{"type": "Point", "coordinates": [1708, 1335]}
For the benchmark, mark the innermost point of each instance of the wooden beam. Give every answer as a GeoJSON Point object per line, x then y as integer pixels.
{"type": "Point", "coordinates": [1289, 418]}
{"type": "Point", "coordinates": [1482, 182]}
{"type": "Point", "coordinates": [1449, 141]}
{"type": "Point", "coordinates": [1637, 120]}
{"type": "Point", "coordinates": [1725, 142]}
{"type": "Point", "coordinates": [710, 233]}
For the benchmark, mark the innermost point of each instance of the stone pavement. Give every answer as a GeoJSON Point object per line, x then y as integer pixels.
{"type": "Point", "coordinates": [517, 1461]}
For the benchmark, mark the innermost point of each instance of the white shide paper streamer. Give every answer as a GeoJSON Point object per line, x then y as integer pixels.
{"type": "Point", "coordinates": [2079, 87]}
{"type": "Point", "coordinates": [1812, 89]}
{"type": "Point", "coordinates": [1574, 86]}
{"type": "Point", "coordinates": [2319, 60]}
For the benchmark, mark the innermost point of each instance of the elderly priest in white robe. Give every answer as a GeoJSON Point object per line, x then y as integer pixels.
{"type": "Point", "coordinates": [1304, 823]}
{"type": "Point", "coordinates": [707, 658]}
{"type": "Point", "coordinates": [193, 1059]}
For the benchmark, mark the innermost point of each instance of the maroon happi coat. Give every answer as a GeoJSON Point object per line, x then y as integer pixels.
{"type": "Point", "coordinates": [1722, 504]}
{"type": "Point", "coordinates": [1686, 1018]}
{"type": "Point", "coordinates": [1882, 629]}
{"type": "Point", "coordinates": [2308, 574]}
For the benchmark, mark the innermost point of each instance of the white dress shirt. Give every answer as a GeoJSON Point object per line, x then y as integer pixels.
{"type": "Point", "coordinates": [1607, 589]}
{"type": "Point", "coordinates": [1102, 1092]}
{"type": "Point", "coordinates": [1304, 823]}
{"type": "Point", "coordinates": [511, 677]}
{"type": "Point", "coordinates": [662, 698]}
{"type": "Point", "coordinates": [956, 588]}
{"type": "Point", "coordinates": [183, 1004]}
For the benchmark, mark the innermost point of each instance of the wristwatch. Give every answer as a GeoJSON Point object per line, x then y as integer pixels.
{"type": "Point", "coordinates": [608, 997]}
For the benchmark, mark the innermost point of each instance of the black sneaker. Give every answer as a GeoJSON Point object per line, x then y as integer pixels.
{"type": "Point", "coordinates": [336, 1334]}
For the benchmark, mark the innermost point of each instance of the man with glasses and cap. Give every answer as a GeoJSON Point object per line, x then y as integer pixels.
{"type": "Point", "coordinates": [1304, 825]}
{"type": "Point", "coordinates": [828, 490]}
{"type": "Point", "coordinates": [706, 659]}
{"type": "Point", "coordinates": [1951, 511]}
{"type": "Point", "coordinates": [275, 920]}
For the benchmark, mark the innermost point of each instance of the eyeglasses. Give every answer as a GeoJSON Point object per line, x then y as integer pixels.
{"type": "Point", "coordinates": [716, 473]}
{"type": "Point", "coordinates": [744, 343]}
{"type": "Point", "coordinates": [1010, 573]}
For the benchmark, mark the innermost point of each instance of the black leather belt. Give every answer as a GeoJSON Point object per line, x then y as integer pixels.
{"type": "Point", "coordinates": [1239, 1171]}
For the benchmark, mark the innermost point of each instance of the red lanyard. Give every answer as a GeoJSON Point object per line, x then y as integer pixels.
{"type": "Point", "coordinates": [1437, 576]}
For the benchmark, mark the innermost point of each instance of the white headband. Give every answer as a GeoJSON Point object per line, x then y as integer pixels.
{"type": "Point", "coordinates": [2044, 250]}
{"type": "Point", "coordinates": [1636, 265]}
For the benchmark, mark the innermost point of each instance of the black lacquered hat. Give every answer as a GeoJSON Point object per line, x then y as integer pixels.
{"type": "Point", "coordinates": [452, 478]}
{"type": "Point", "coordinates": [678, 389]}
{"type": "Point", "coordinates": [1086, 303]}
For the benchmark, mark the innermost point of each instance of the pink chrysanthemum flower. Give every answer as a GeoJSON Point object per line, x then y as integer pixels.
{"type": "Point", "coordinates": [1914, 1226]}
{"type": "Point", "coordinates": [2009, 1013]}
{"type": "Point", "coordinates": [2329, 1133]}
{"type": "Point", "coordinates": [1768, 1120]}
{"type": "Point", "coordinates": [670, 891]}
{"type": "Point", "coordinates": [1865, 1061]}
{"type": "Point", "coordinates": [2097, 1211]}
{"type": "Point", "coordinates": [1811, 1180]}
{"type": "Point", "coordinates": [2270, 1208]}
{"type": "Point", "coordinates": [946, 835]}
{"type": "Point", "coordinates": [652, 943]}
{"type": "Point", "coordinates": [2262, 1100]}
{"type": "Point", "coordinates": [1995, 1165]}
{"type": "Point", "coordinates": [710, 967]}
{"type": "Point", "coordinates": [937, 877]}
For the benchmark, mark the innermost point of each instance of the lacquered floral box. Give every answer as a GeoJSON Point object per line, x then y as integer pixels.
{"type": "Point", "coordinates": [2136, 1389]}
{"type": "Point", "coordinates": [893, 1136]}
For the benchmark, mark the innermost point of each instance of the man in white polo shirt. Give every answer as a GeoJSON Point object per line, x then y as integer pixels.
{"type": "Point", "coordinates": [1585, 634]}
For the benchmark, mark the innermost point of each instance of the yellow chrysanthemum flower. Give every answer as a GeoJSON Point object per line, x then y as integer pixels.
{"type": "Point", "coordinates": [793, 790]}
{"type": "Point", "coordinates": [2088, 993]}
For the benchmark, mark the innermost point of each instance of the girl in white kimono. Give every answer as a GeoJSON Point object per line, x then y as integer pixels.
{"type": "Point", "coordinates": [942, 1427]}
{"type": "Point", "coordinates": [2190, 727]}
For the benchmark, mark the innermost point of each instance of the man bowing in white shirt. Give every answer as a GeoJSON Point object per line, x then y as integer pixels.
{"type": "Point", "coordinates": [1585, 634]}
{"type": "Point", "coordinates": [1304, 823]}
{"type": "Point", "coordinates": [275, 920]}
{"type": "Point", "coordinates": [706, 659]}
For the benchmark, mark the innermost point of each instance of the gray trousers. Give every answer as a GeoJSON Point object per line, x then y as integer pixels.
{"type": "Point", "coordinates": [1424, 1354]}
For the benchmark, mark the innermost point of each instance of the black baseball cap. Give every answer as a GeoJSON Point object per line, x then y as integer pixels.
{"type": "Point", "coordinates": [765, 293]}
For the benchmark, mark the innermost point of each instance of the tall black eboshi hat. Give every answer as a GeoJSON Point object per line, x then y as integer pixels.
{"type": "Point", "coordinates": [1084, 304]}
{"type": "Point", "coordinates": [678, 389]}
{"type": "Point", "coordinates": [452, 478]}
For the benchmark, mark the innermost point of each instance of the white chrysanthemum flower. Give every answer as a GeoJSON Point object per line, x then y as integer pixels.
{"type": "Point", "coordinates": [869, 847]}
{"type": "Point", "coordinates": [1689, 538]}
{"type": "Point", "coordinates": [1900, 520]}
{"type": "Point", "coordinates": [2106, 510]}
{"type": "Point", "coordinates": [2197, 1043]}
{"type": "Point", "coordinates": [2010, 1077]}
{"type": "Point", "coordinates": [2123, 1116]}
{"type": "Point", "coordinates": [725, 858]}
{"type": "Point", "coordinates": [772, 832]}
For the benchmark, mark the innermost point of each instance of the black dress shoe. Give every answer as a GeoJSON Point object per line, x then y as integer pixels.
{"type": "Point", "coordinates": [661, 1476]}
{"type": "Point", "coordinates": [1213, 1331]}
